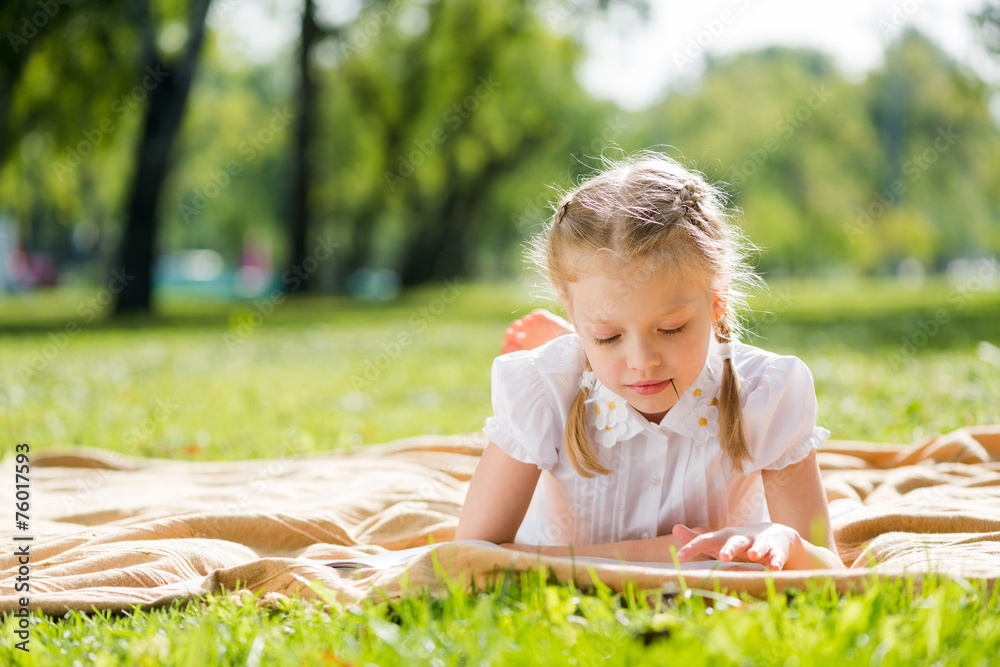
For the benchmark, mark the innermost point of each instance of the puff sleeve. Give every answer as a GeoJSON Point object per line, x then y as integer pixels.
{"type": "Point", "coordinates": [524, 422]}
{"type": "Point", "coordinates": [780, 415]}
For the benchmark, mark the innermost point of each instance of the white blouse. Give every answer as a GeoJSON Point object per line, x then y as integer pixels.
{"type": "Point", "coordinates": [661, 474]}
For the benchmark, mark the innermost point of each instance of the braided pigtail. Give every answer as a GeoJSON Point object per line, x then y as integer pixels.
{"type": "Point", "coordinates": [732, 430]}
{"type": "Point", "coordinates": [578, 446]}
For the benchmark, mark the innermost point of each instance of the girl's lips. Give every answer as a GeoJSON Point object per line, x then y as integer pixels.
{"type": "Point", "coordinates": [649, 388]}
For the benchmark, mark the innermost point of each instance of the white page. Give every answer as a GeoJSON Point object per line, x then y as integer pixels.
{"type": "Point", "coordinates": [391, 558]}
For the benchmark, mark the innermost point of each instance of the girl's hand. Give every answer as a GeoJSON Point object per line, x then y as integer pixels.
{"type": "Point", "coordinates": [770, 544]}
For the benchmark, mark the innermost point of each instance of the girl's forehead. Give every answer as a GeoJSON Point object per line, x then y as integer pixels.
{"type": "Point", "coordinates": [674, 266]}
{"type": "Point", "coordinates": [652, 272]}
{"type": "Point", "coordinates": [598, 296]}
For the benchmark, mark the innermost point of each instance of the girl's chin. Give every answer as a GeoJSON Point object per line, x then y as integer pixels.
{"type": "Point", "coordinates": [654, 417]}
{"type": "Point", "coordinates": [654, 411]}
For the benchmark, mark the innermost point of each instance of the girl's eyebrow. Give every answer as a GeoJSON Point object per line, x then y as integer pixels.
{"type": "Point", "coordinates": [667, 313]}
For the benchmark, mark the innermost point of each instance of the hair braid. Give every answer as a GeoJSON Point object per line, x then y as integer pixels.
{"type": "Point", "coordinates": [577, 441]}
{"type": "Point", "coordinates": [732, 430]}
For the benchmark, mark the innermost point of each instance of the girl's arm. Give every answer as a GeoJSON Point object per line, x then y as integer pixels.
{"type": "Point", "coordinates": [796, 498]}
{"type": "Point", "coordinates": [499, 494]}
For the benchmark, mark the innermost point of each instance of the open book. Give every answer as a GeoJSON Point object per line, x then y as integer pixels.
{"type": "Point", "coordinates": [391, 558]}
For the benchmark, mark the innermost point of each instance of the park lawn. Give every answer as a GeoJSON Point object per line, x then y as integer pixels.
{"type": "Point", "coordinates": [258, 379]}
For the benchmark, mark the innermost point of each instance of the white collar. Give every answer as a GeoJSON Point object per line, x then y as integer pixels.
{"type": "Point", "coordinates": [695, 414]}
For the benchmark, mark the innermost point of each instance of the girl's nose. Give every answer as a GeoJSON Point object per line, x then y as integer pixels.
{"type": "Point", "coordinates": [641, 355]}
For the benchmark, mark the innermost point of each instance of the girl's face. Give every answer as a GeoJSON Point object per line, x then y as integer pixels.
{"type": "Point", "coordinates": [640, 331]}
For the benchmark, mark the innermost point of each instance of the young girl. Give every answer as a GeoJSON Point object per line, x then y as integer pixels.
{"type": "Point", "coordinates": [650, 426]}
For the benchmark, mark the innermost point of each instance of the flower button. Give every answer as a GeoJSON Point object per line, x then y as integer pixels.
{"type": "Point", "coordinates": [703, 422]}
{"type": "Point", "coordinates": [610, 417]}
{"type": "Point", "coordinates": [609, 414]}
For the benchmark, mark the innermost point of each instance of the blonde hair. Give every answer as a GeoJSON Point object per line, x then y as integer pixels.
{"type": "Point", "coordinates": [640, 208]}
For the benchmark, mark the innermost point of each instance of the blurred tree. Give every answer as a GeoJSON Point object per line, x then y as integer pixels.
{"type": "Point", "coordinates": [783, 133]}
{"type": "Point", "coordinates": [988, 21]}
{"type": "Point", "coordinates": [302, 163]}
{"type": "Point", "coordinates": [446, 100]}
{"type": "Point", "coordinates": [70, 63]}
{"type": "Point", "coordinates": [439, 127]}
{"type": "Point", "coordinates": [830, 173]}
{"type": "Point", "coordinates": [947, 147]}
{"type": "Point", "coordinates": [230, 176]}
{"type": "Point", "coordinates": [61, 112]}
{"type": "Point", "coordinates": [417, 34]}
{"type": "Point", "coordinates": [164, 112]}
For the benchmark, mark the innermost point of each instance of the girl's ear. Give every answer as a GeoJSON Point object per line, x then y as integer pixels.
{"type": "Point", "coordinates": [719, 305]}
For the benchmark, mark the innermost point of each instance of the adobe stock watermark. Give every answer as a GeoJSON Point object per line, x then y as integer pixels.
{"type": "Point", "coordinates": [262, 477]}
{"type": "Point", "coordinates": [447, 485]}
{"type": "Point", "coordinates": [986, 273]}
{"type": "Point", "coordinates": [222, 7]}
{"type": "Point", "coordinates": [424, 147]}
{"type": "Point", "coordinates": [123, 105]}
{"type": "Point", "coordinates": [217, 181]}
{"type": "Point", "coordinates": [292, 279]}
{"type": "Point", "coordinates": [898, 17]}
{"type": "Point", "coordinates": [364, 32]}
{"type": "Point", "coordinates": [914, 168]}
{"type": "Point", "coordinates": [557, 16]}
{"type": "Point", "coordinates": [372, 369]}
{"type": "Point", "coordinates": [532, 213]}
{"type": "Point", "coordinates": [710, 31]}
{"type": "Point", "coordinates": [30, 25]}
{"type": "Point", "coordinates": [88, 311]}
{"type": "Point", "coordinates": [781, 301]}
{"type": "Point", "coordinates": [786, 129]}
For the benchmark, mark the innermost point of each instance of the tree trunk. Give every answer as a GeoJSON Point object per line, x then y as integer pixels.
{"type": "Point", "coordinates": [438, 250]}
{"type": "Point", "coordinates": [169, 86]}
{"type": "Point", "coordinates": [302, 164]}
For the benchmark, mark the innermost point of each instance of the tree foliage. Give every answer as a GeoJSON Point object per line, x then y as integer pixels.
{"type": "Point", "coordinates": [445, 129]}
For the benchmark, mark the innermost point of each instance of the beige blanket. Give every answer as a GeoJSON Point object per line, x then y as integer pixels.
{"type": "Point", "coordinates": [110, 531]}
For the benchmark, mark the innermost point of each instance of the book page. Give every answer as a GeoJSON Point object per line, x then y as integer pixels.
{"type": "Point", "coordinates": [392, 558]}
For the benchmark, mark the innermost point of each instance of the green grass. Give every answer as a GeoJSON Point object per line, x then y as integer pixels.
{"type": "Point", "coordinates": [214, 381]}
{"type": "Point", "coordinates": [527, 620]}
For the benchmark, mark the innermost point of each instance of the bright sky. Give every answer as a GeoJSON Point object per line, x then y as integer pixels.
{"type": "Point", "coordinates": [634, 69]}
{"type": "Point", "coordinates": [636, 65]}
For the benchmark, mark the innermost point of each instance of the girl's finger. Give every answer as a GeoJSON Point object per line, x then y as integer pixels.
{"type": "Point", "coordinates": [734, 547]}
{"type": "Point", "coordinates": [759, 551]}
{"type": "Point", "coordinates": [696, 543]}
{"type": "Point", "coordinates": [682, 532]}
{"type": "Point", "coordinates": [708, 544]}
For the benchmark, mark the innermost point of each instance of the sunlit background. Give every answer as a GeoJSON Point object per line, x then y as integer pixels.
{"type": "Point", "coordinates": [425, 140]}
{"type": "Point", "coordinates": [279, 190]}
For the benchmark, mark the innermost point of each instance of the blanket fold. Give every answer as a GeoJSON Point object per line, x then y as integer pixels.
{"type": "Point", "coordinates": [110, 531]}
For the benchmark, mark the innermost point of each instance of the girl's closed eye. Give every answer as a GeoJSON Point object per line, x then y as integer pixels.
{"type": "Point", "coordinates": [612, 339]}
